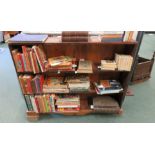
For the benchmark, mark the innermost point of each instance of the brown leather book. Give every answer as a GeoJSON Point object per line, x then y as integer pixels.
{"type": "Point", "coordinates": [74, 33]}
{"type": "Point", "coordinates": [104, 102]}
{"type": "Point", "coordinates": [75, 39]}
{"type": "Point", "coordinates": [33, 85]}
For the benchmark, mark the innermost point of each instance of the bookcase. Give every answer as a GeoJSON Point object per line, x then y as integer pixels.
{"type": "Point", "coordinates": [94, 51]}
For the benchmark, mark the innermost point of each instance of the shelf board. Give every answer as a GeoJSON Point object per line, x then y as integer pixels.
{"type": "Point", "coordinates": [91, 92]}
{"type": "Point", "coordinates": [95, 70]}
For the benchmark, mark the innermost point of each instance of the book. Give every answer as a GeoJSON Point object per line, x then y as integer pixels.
{"type": "Point", "coordinates": [67, 103]}
{"type": "Point", "coordinates": [105, 103]}
{"type": "Point", "coordinates": [62, 63]}
{"type": "Point", "coordinates": [75, 36]}
{"type": "Point", "coordinates": [27, 60]}
{"type": "Point", "coordinates": [78, 83]}
{"type": "Point", "coordinates": [40, 56]}
{"type": "Point", "coordinates": [124, 62]}
{"type": "Point", "coordinates": [112, 36]}
{"type": "Point", "coordinates": [130, 36]}
{"type": "Point", "coordinates": [28, 103]}
{"type": "Point", "coordinates": [75, 39]}
{"type": "Point", "coordinates": [55, 85]}
{"type": "Point", "coordinates": [85, 66]}
{"type": "Point", "coordinates": [29, 38]}
{"type": "Point", "coordinates": [75, 33]}
{"type": "Point", "coordinates": [34, 63]}
{"type": "Point", "coordinates": [108, 87]}
{"type": "Point", "coordinates": [108, 65]}
{"type": "Point", "coordinates": [33, 102]}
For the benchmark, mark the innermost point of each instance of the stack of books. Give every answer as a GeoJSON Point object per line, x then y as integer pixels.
{"type": "Point", "coordinates": [112, 36]}
{"type": "Point", "coordinates": [130, 36]}
{"type": "Point", "coordinates": [124, 62]}
{"type": "Point", "coordinates": [85, 66]}
{"type": "Point", "coordinates": [67, 103]}
{"type": "Point", "coordinates": [40, 103]}
{"type": "Point", "coordinates": [62, 63]}
{"type": "Point", "coordinates": [108, 65]}
{"type": "Point", "coordinates": [75, 36]}
{"type": "Point", "coordinates": [29, 59]}
{"type": "Point", "coordinates": [30, 84]}
{"type": "Point", "coordinates": [108, 87]}
{"type": "Point", "coordinates": [55, 85]}
{"type": "Point", "coordinates": [105, 104]}
{"type": "Point", "coordinates": [78, 83]}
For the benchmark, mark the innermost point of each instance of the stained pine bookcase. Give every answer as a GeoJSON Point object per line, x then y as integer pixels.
{"type": "Point", "coordinates": [94, 51]}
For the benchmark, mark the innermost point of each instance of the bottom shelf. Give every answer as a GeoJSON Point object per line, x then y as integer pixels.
{"type": "Point", "coordinates": [84, 110]}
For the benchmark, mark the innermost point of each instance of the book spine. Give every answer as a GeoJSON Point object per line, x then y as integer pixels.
{"type": "Point", "coordinates": [24, 62]}
{"type": "Point", "coordinates": [37, 104]}
{"type": "Point", "coordinates": [52, 102]}
{"type": "Point", "coordinates": [34, 104]}
{"type": "Point", "coordinates": [45, 103]}
{"type": "Point", "coordinates": [29, 104]}
{"type": "Point", "coordinates": [29, 85]}
{"type": "Point", "coordinates": [21, 81]}
{"type": "Point", "coordinates": [39, 59]}
{"type": "Point", "coordinates": [75, 33]}
{"type": "Point", "coordinates": [32, 62]}
{"type": "Point", "coordinates": [24, 49]}
{"type": "Point", "coordinates": [74, 39]}
{"type": "Point", "coordinates": [20, 62]}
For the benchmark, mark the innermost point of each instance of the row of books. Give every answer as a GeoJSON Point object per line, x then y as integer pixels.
{"type": "Point", "coordinates": [40, 103]}
{"type": "Point", "coordinates": [119, 36]}
{"type": "Point", "coordinates": [122, 62]}
{"type": "Point", "coordinates": [66, 84]}
{"type": "Point", "coordinates": [67, 103]}
{"type": "Point", "coordinates": [105, 104]}
{"type": "Point", "coordinates": [29, 59]}
{"type": "Point", "coordinates": [70, 84]}
{"type": "Point", "coordinates": [52, 103]}
{"type": "Point", "coordinates": [130, 36]}
{"type": "Point", "coordinates": [108, 87]}
{"type": "Point", "coordinates": [31, 84]}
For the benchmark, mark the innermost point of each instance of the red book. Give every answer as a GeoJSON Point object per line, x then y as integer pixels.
{"type": "Point", "coordinates": [37, 104]}
{"type": "Point", "coordinates": [41, 82]}
{"type": "Point", "coordinates": [28, 66]}
{"type": "Point", "coordinates": [35, 63]}
{"type": "Point", "coordinates": [29, 85]}
{"type": "Point", "coordinates": [20, 62]}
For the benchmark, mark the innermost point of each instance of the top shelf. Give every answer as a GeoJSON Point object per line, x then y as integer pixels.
{"type": "Point", "coordinates": [52, 40]}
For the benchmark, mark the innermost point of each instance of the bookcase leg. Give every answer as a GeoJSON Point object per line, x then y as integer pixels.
{"type": "Point", "coordinates": [32, 116]}
{"type": "Point", "coordinates": [120, 112]}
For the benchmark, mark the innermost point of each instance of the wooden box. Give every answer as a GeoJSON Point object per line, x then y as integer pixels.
{"type": "Point", "coordinates": [142, 70]}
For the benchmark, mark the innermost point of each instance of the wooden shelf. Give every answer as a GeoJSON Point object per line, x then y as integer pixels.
{"type": "Point", "coordinates": [91, 92]}
{"type": "Point", "coordinates": [95, 66]}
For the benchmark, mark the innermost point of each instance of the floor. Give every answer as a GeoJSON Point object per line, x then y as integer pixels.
{"type": "Point", "coordinates": [138, 108]}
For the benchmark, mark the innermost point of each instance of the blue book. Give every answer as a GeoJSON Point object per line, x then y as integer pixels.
{"type": "Point", "coordinates": [29, 38]}
{"type": "Point", "coordinates": [112, 39]}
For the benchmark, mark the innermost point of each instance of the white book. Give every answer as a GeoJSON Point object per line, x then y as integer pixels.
{"type": "Point", "coordinates": [134, 36]}
{"type": "Point", "coordinates": [126, 35]}
{"type": "Point", "coordinates": [33, 104]}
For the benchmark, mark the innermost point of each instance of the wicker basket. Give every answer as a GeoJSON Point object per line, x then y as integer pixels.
{"type": "Point", "coordinates": [142, 70]}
